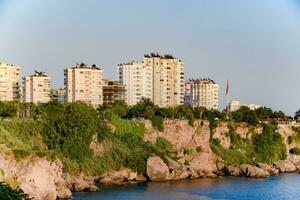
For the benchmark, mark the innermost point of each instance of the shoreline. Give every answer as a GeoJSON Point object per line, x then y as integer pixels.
{"type": "Point", "coordinates": [164, 188]}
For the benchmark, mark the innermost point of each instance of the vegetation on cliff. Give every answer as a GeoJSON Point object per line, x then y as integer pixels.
{"type": "Point", "coordinates": [8, 193]}
{"type": "Point", "coordinates": [66, 130]}
{"type": "Point", "coordinates": [267, 147]}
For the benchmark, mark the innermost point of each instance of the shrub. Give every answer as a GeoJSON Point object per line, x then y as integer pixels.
{"type": "Point", "coordinates": [295, 151]}
{"type": "Point", "coordinates": [199, 149]}
{"type": "Point", "coordinates": [187, 151]}
{"type": "Point", "coordinates": [8, 193]}
{"type": "Point", "coordinates": [9, 109]}
{"type": "Point", "coordinates": [186, 163]}
{"type": "Point", "coordinates": [163, 148]}
{"type": "Point", "coordinates": [269, 146]}
{"type": "Point", "coordinates": [158, 122]}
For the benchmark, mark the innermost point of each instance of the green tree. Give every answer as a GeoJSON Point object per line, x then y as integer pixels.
{"type": "Point", "coordinates": [7, 193]}
{"type": "Point", "coordinates": [120, 108]}
{"type": "Point", "coordinates": [8, 109]}
{"type": "Point", "coordinates": [264, 112]}
{"type": "Point", "coordinates": [244, 114]}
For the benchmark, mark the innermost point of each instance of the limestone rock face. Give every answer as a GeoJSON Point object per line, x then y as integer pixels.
{"type": "Point", "coordinates": [36, 176]}
{"type": "Point", "coordinates": [220, 134]}
{"type": "Point", "coordinates": [178, 132]}
{"type": "Point", "coordinates": [285, 166]}
{"type": "Point", "coordinates": [157, 170]}
{"type": "Point", "coordinates": [295, 159]}
{"type": "Point", "coordinates": [253, 171]}
{"type": "Point", "coordinates": [203, 165]}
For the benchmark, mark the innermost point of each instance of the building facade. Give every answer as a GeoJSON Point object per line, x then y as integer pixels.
{"type": "Point", "coordinates": [84, 83]}
{"type": "Point", "coordinates": [58, 95]}
{"type": "Point", "coordinates": [168, 79]}
{"type": "Point", "coordinates": [137, 79]}
{"type": "Point", "coordinates": [36, 88]}
{"type": "Point", "coordinates": [112, 91]}
{"type": "Point", "coordinates": [9, 82]}
{"type": "Point", "coordinates": [202, 93]}
{"type": "Point", "coordinates": [235, 105]}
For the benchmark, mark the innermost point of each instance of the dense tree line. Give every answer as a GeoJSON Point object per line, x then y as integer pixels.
{"type": "Point", "coordinates": [146, 109]}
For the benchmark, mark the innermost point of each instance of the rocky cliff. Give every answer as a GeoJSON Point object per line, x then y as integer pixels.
{"type": "Point", "coordinates": [36, 176]}
{"type": "Point", "coordinates": [202, 161]}
{"type": "Point", "coordinates": [194, 158]}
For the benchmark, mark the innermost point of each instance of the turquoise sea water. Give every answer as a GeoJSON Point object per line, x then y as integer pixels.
{"type": "Point", "coordinates": [285, 186]}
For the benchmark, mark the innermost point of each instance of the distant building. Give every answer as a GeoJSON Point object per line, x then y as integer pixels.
{"type": "Point", "coordinates": [112, 91]}
{"type": "Point", "coordinates": [202, 93]}
{"type": "Point", "coordinates": [9, 82]}
{"type": "Point", "coordinates": [137, 79]}
{"type": "Point", "coordinates": [84, 83]}
{"type": "Point", "coordinates": [159, 78]}
{"type": "Point", "coordinates": [188, 94]}
{"type": "Point", "coordinates": [235, 105]}
{"type": "Point", "coordinates": [58, 95]}
{"type": "Point", "coordinates": [37, 88]}
{"type": "Point", "coordinates": [168, 79]}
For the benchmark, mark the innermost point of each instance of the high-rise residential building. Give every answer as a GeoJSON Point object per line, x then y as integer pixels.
{"type": "Point", "coordinates": [202, 93]}
{"type": "Point", "coordinates": [84, 83]}
{"type": "Point", "coordinates": [36, 88]}
{"type": "Point", "coordinates": [168, 79]}
{"type": "Point", "coordinates": [112, 91]}
{"type": "Point", "coordinates": [137, 79]}
{"type": "Point", "coordinates": [9, 82]}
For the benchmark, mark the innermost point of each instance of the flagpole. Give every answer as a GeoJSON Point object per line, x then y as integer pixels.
{"type": "Point", "coordinates": [228, 100]}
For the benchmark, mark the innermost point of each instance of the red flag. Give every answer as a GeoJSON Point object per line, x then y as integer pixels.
{"type": "Point", "coordinates": [227, 88]}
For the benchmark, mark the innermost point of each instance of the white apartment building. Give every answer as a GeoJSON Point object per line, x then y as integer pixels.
{"type": "Point", "coordinates": [84, 83]}
{"type": "Point", "coordinates": [137, 79]}
{"type": "Point", "coordinates": [9, 82]}
{"type": "Point", "coordinates": [36, 88]}
{"type": "Point", "coordinates": [168, 79]}
{"type": "Point", "coordinates": [202, 93]}
{"type": "Point", "coordinates": [235, 105]}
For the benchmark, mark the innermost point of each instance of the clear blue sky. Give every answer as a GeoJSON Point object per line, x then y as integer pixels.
{"type": "Point", "coordinates": [254, 43]}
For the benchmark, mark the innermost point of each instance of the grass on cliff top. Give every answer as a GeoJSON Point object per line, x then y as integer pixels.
{"type": "Point", "coordinates": [296, 136]}
{"type": "Point", "coordinates": [22, 138]}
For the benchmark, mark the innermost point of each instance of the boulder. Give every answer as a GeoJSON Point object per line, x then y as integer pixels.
{"type": "Point", "coordinates": [269, 168]}
{"type": "Point", "coordinates": [253, 171]}
{"type": "Point", "coordinates": [295, 159]}
{"type": "Point", "coordinates": [285, 166]}
{"type": "Point", "coordinates": [118, 177]}
{"type": "Point", "coordinates": [202, 165]}
{"type": "Point", "coordinates": [84, 183]}
{"type": "Point", "coordinates": [35, 177]}
{"type": "Point", "coordinates": [64, 193]}
{"type": "Point", "coordinates": [157, 170]}
{"type": "Point", "coordinates": [141, 178]}
{"type": "Point", "coordinates": [233, 170]}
